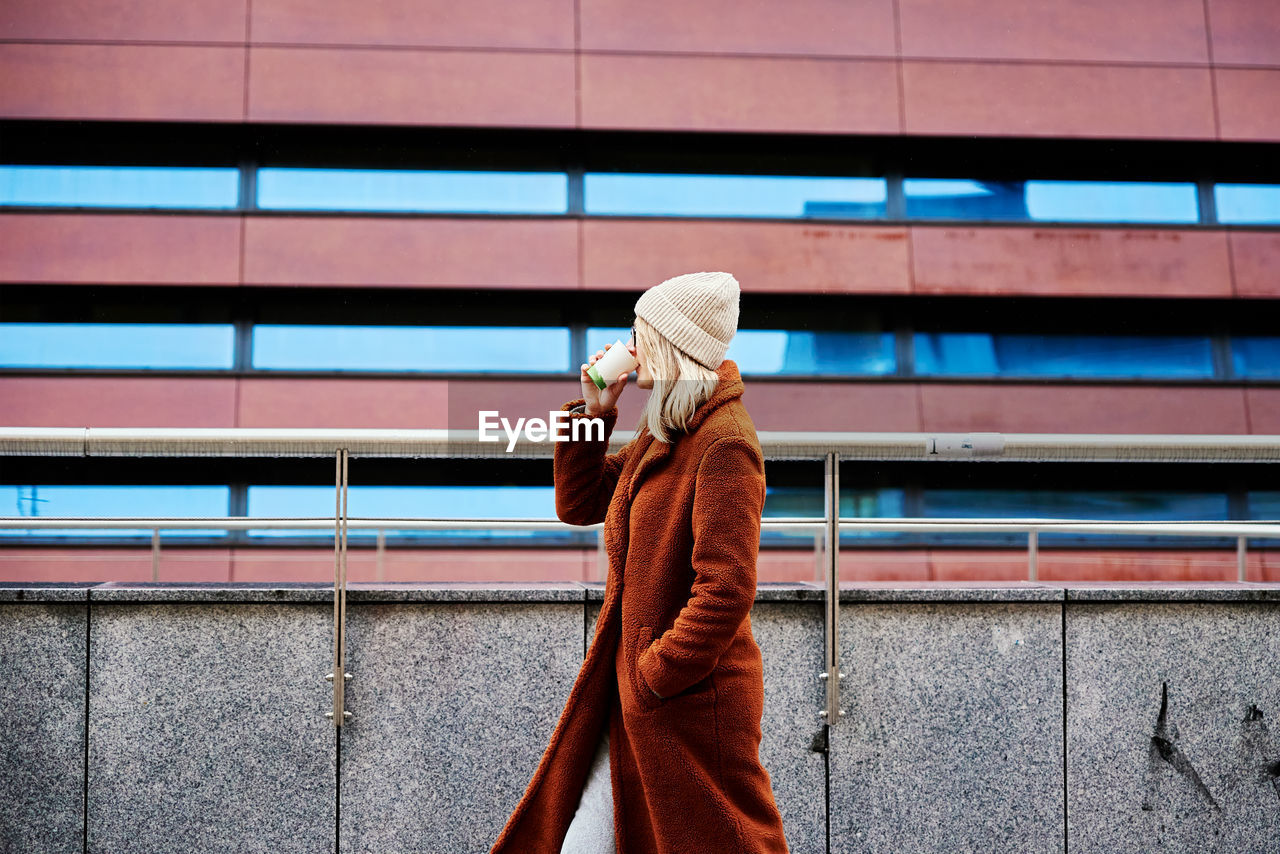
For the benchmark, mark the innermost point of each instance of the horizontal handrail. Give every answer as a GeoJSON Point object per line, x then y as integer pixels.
{"type": "Point", "coordinates": [830, 447]}
{"type": "Point", "coordinates": [320, 442]}
{"type": "Point", "coordinates": [1260, 529]}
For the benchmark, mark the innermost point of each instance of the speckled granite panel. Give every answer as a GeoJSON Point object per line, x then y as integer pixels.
{"type": "Point", "coordinates": [793, 744]}
{"type": "Point", "coordinates": [42, 671]}
{"type": "Point", "coordinates": [1173, 727]}
{"type": "Point", "coordinates": [952, 734]}
{"type": "Point", "coordinates": [525, 591]}
{"type": "Point", "coordinates": [1160, 591]}
{"type": "Point", "coordinates": [593, 608]}
{"type": "Point", "coordinates": [452, 706]}
{"type": "Point", "coordinates": [45, 591]}
{"type": "Point", "coordinates": [948, 591]}
{"type": "Point", "coordinates": [207, 730]}
{"type": "Point", "coordinates": [308, 591]}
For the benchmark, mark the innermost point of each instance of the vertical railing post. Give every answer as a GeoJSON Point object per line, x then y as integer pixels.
{"type": "Point", "coordinates": [155, 554]}
{"type": "Point", "coordinates": [1242, 559]}
{"type": "Point", "coordinates": [819, 559]}
{"type": "Point", "coordinates": [602, 557]}
{"type": "Point", "coordinates": [1033, 554]}
{"type": "Point", "coordinates": [339, 676]}
{"type": "Point", "coordinates": [380, 568]}
{"type": "Point", "coordinates": [831, 671]}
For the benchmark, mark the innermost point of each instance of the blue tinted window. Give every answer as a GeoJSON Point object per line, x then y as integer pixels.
{"type": "Point", "coordinates": [1255, 356]}
{"type": "Point", "coordinates": [400, 502]}
{"type": "Point", "coordinates": [117, 345]}
{"type": "Point", "coordinates": [388, 190]}
{"type": "Point", "coordinates": [793, 501]}
{"type": "Point", "coordinates": [734, 195]}
{"type": "Point", "coordinates": [782, 352]}
{"type": "Point", "coordinates": [120, 186]}
{"type": "Point", "coordinates": [854, 503]}
{"type": "Point", "coordinates": [150, 502]}
{"type": "Point", "coordinates": [765, 351]}
{"type": "Point", "coordinates": [983, 353]}
{"type": "Point", "coordinates": [1052, 201]}
{"type": "Point", "coordinates": [1247, 203]}
{"type": "Point", "coordinates": [599, 336]}
{"type": "Point", "coordinates": [1265, 505]}
{"type": "Point", "coordinates": [1034, 503]}
{"type": "Point", "coordinates": [1120, 506]}
{"type": "Point", "coordinates": [508, 349]}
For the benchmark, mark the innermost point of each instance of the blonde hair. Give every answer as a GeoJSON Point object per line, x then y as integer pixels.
{"type": "Point", "coordinates": [680, 385]}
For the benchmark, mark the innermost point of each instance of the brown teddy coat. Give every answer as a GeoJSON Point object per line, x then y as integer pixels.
{"type": "Point", "coordinates": [673, 669]}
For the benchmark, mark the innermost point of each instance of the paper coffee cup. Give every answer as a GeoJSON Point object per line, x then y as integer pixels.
{"type": "Point", "coordinates": [614, 361]}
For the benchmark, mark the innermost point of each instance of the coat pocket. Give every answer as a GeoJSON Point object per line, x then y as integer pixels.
{"type": "Point", "coordinates": [639, 688]}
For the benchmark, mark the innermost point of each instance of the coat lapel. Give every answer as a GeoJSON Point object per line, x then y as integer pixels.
{"type": "Point", "coordinates": [653, 453]}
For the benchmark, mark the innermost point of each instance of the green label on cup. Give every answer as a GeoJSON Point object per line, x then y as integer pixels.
{"type": "Point", "coordinates": [596, 378]}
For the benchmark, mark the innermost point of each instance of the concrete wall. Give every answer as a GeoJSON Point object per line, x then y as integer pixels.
{"type": "Point", "coordinates": [1001, 717]}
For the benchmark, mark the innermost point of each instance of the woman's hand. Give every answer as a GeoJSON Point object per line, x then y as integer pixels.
{"type": "Point", "coordinates": [601, 400]}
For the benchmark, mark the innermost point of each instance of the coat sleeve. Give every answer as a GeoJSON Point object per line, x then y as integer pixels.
{"type": "Point", "coordinates": [728, 501]}
{"type": "Point", "coordinates": [585, 476]}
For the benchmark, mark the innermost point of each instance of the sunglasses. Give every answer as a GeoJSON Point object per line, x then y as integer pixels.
{"type": "Point", "coordinates": [633, 332]}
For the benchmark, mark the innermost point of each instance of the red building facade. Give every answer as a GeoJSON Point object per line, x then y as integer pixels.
{"type": "Point", "coordinates": [1176, 91]}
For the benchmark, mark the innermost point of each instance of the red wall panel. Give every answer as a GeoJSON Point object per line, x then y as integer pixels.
{"type": "Point", "coordinates": [41, 401]}
{"type": "Point", "coordinates": [411, 251]}
{"type": "Point", "coordinates": [132, 82]}
{"type": "Point", "coordinates": [1125, 31]}
{"type": "Point", "coordinates": [434, 404]}
{"type": "Point", "coordinates": [834, 406]}
{"type": "Point", "coordinates": [1246, 32]}
{"type": "Point", "coordinates": [400, 565]}
{"type": "Point", "coordinates": [859, 565]}
{"type": "Point", "coordinates": [1025, 99]}
{"type": "Point", "coordinates": [411, 87]}
{"type": "Point", "coordinates": [119, 248]}
{"type": "Point", "coordinates": [1059, 565]}
{"type": "Point", "coordinates": [817, 27]}
{"type": "Point", "coordinates": [1270, 567]}
{"type": "Point", "coordinates": [1248, 104]}
{"type": "Point", "coordinates": [803, 78]}
{"type": "Point", "coordinates": [634, 254]}
{"type": "Point", "coordinates": [43, 563]}
{"type": "Point", "coordinates": [406, 564]}
{"type": "Point", "coordinates": [426, 23]}
{"type": "Point", "coordinates": [527, 398]}
{"type": "Point", "coordinates": [1255, 257]}
{"type": "Point", "coordinates": [305, 402]}
{"type": "Point", "coordinates": [125, 20]}
{"type": "Point", "coordinates": [1070, 261]}
{"type": "Point", "coordinates": [773, 404]}
{"type": "Point", "coordinates": [1048, 408]}
{"type": "Point", "coordinates": [1264, 410]}
{"type": "Point", "coordinates": [416, 404]}
{"type": "Point", "coordinates": [739, 93]}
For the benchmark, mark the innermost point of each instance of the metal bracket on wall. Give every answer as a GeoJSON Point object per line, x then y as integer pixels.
{"type": "Point", "coordinates": [832, 672]}
{"type": "Point", "coordinates": [339, 676]}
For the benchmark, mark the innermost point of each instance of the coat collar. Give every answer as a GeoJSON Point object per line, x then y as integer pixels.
{"type": "Point", "coordinates": [652, 452]}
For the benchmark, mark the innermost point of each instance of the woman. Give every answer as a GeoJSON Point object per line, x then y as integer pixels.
{"type": "Point", "coordinates": [657, 749]}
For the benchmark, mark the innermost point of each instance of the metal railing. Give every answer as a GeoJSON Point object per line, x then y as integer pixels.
{"type": "Point", "coordinates": [832, 448]}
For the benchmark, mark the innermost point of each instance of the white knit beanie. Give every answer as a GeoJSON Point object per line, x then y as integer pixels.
{"type": "Point", "coordinates": [697, 312]}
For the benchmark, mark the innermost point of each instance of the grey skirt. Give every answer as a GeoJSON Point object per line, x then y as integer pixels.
{"type": "Point", "coordinates": [591, 831]}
